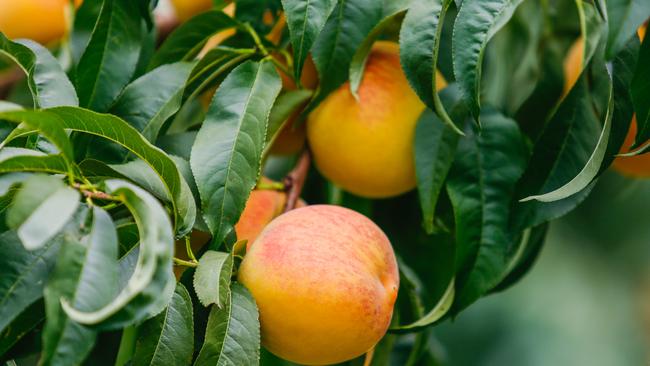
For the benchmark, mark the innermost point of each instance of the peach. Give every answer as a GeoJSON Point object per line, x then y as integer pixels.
{"type": "Point", "coordinates": [365, 146]}
{"type": "Point", "coordinates": [44, 21]}
{"type": "Point", "coordinates": [325, 280]}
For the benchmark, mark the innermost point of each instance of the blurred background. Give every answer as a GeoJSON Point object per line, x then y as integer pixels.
{"type": "Point", "coordinates": [585, 302]}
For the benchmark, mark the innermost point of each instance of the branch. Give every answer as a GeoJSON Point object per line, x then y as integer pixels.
{"type": "Point", "coordinates": [94, 194]}
{"type": "Point", "coordinates": [295, 180]}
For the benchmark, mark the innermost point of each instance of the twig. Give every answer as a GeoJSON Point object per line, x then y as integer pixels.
{"type": "Point", "coordinates": [95, 194]}
{"type": "Point", "coordinates": [295, 180]}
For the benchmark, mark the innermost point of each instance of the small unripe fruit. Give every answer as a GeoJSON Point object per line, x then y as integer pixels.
{"type": "Point", "coordinates": [365, 146]}
{"type": "Point", "coordinates": [325, 280]}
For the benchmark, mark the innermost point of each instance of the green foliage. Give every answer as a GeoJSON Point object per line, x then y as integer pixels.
{"type": "Point", "coordinates": [108, 156]}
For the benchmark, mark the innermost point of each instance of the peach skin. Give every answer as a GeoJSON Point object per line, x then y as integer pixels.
{"type": "Point", "coordinates": [325, 280]}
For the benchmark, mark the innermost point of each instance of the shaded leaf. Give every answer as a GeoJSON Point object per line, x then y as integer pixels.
{"type": "Point", "coordinates": [624, 17]}
{"type": "Point", "coordinates": [640, 90]}
{"type": "Point", "coordinates": [305, 20]}
{"type": "Point", "coordinates": [481, 185]}
{"type": "Point", "coordinates": [232, 336]}
{"type": "Point", "coordinates": [168, 338]}
{"type": "Point", "coordinates": [15, 159]}
{"type": "Point", "coordinates": [476, 23]}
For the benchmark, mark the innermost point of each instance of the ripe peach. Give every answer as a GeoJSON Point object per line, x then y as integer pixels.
{"type": "Point", "coordinates": [44, 21]}
{"type": "Point", "coordinates": [325, 280]}
{"type": "Point", "coordinates": [366, 146]}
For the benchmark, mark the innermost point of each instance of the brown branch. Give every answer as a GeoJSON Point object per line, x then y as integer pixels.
{"type": "Point", "coordinates": [295, 180]}
{"type": "Point", "coordinates": [94, 194]}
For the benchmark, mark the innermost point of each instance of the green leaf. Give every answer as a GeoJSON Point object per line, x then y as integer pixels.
{"type": "Point", "coordinates": [212, 278]}
{"type": "Point", "coordinates": [287, 105]}
{"type": "Point", "coordinates": [591, 167]}
{"type": "Point", "coordinates": [624, 17]}
{"type": "Point", "coordinates": [393, 15]}
{"type": "Point", "coordinates": [41, 209]}
{"type": "Point", "coordinates": [435, 314]}
{"type": "Point", "coordinates": [227, 151]}
{"type": "Point", "coordinates": [47, 81]}
{"type": "Point", "coordinates": [110, 59]}
{"type": "Point", "coordinates": [640, 90]}
{"type": "Point", "coordinates": [22, 325]}
{"type": "Point", "coordinates": [564, 147]}
{"type": "Point", "coordinates": [184, 43]}
{"type": "Point", "coordinates": [419, 44]}
{"type": "Point", "coordinates": [151, 99]}
{"type": "Point", "coordinates": [232, 336]}
{"type": "Point", "coordinates": [481, 185]}
{"type": "Point", "coordinates": [168, 338]}
{"type": "Point", "coordinates": [86, 275]}
{"type": "Point", "coordinates": [84, 23]}
{"type": "Point", "coordinates": [24, 274]}
{"type": "Point", "coordinates": [149, 289]}
{"type": "Point", "coordinates": [15, 159]}
{"type": "Point", "coordinates": [120, 132]}
{"type": "Point", "coordinates": [212, 68]}
{"type": "Point", "coordinates": [305, 20]}
{"type": "Point", "coordinates": [476, 23]}
{"type": "Point", "coordinates": [345, 29]}
{"type": "Point", "coordinates": [434, 149]}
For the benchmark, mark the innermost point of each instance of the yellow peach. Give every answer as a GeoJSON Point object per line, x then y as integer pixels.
{"type": "Point", "coordinates": [43, 21]}
{"type": "Point", "coordinates": [365, 146]}
{"type": "Point", "coordinates": [325, 280]}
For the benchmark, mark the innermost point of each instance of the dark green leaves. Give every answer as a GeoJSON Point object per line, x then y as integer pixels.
{"type": "Point", "coordinates": [168, 338]}
{"type": "Point", "coordinates": [48, 82]}
{"type": "Point", "coordinates": [305, 19]}
{"type": "Point", "coordinates": [481, 185]}
{"type": "Point", "coordinates": [477, 22]}
{"type": "Point", "coordinates": [188, 39]}
{"type": "Point", "coordinates": [40, 209]}
{"type": "Point", "coordinates": [227, 151]}
{"type": "Point", "coordinates": [232, 335]}
{"type": "Point", "coordinates": [435, 146]}
{"type": "Point", "coordinates": [624, 17]}
{"type": "Point", "coordinates": [419, 44]}
{"type": "Point", "coordinates": [345, 29]}
{"type": "Point", "coordinates": [110, 59]}
{"type": "Point", "coordinates": [212, 278]}
{"type": "Point", "coordinates": [641, 93]}
{"type": "Point", "coordinates": [86, 274]}
{"type": "Point", "coordinates": [150, 287]}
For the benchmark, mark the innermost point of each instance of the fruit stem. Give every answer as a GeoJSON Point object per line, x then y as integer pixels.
{"type": "Point", "coordinates": [295, 180]}
{"type": "Point", "coordinates": [188, 248]}
{"type": "Point", "coordinates": [270, 186]}
{"type": "Point", "coordinates": [180, 262]}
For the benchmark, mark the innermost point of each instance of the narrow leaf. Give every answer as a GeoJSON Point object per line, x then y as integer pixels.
{"type": "Point", "coordinates": [641, 93]}
{"type": "Point", "coordinates": [481, 185]}
{"type": "Point", "coordinates": [14, 159]}
{"type": "Point", "coordinates": [476, 23]}
{"type": "Point", "coordinates": [624, 17]}
{"type": "Point", "coordinates": [232, 336]}
{"type": "Point", "coordinates": [168, 338]}
{"type": "Point", "coordinates": [227, 151]}
{"type": "Point", "coordinates": [305, 20]}
{"type": "Point", "coordinates": [110, 59]}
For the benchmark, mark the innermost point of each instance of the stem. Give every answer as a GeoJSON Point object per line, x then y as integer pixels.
{"type": "Point", "coordinates": [256, 39]}
{"type": "Point", "coordinates": [188, 248]}
{"type": "Point", "coordinates": [270, 186]}
{"type": "Point", "coordinates": [127, 346]}
{"type": "Point", "coordinates": [184, 263]}
{"type": "Point", "coordinates": [295, 180]}
{"type": "Point", "coordinates": [216, 74]}
{"type": "Point", "coordinates": [280, 66]}
{"type": "Point", "coordinates": [91, 193]}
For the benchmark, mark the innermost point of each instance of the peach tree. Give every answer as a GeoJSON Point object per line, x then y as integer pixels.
{"type": "Point", "coordinates": [122, 179]}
